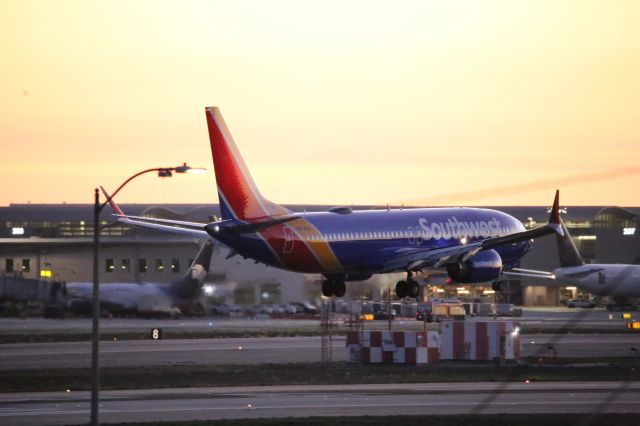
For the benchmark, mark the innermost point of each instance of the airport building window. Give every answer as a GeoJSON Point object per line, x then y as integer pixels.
{"type": "Point", "coordinates": [142, 265]}
{"type": "Point", "coordinates": [125, 265]}
{"type": "Point", "coordinates": [175, 265]}
{"type": "Point", "coordinates": [109, 265]}
{"type": "Point", "coordinates": [270, 293]}
{"type": "Point", "coordinates": [244, 296]}
{"type": "Point", "coordinates": [26, 265]}
{"type": "Point", "coordinates": [159, 265]}
{"type": "Point", "coordinates": [191, 261]}
{"type": "Point", "coordinates": [8, 265]}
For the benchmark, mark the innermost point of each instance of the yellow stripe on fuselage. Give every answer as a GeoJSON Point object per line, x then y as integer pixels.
{"type": "Point", "coordinates": [318, 246]}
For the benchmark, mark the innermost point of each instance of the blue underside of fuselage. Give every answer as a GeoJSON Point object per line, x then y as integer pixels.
{"type": "Point", "coordinates": [364, 240]}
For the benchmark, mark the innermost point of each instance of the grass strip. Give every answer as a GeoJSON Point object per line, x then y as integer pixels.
{"type": "Point", "coordinates": [618, 419]}
{"type": "Point", "coordinates": [302, 374]}
{"type": "Point", "coordinates": [167, 333]}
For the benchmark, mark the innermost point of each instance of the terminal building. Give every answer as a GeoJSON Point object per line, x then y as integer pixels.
{"type": "Point", "coordinates": [48, 242]}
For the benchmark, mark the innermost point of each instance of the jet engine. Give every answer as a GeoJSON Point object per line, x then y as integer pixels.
{"type": "Point", "coordinates": [483, 267]}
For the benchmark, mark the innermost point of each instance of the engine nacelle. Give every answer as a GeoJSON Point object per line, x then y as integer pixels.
{"type": "Point", "coordinates": [483, 267]}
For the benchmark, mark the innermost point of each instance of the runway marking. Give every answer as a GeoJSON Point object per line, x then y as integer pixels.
{"type": "Point", "coordinates": [63, 411]}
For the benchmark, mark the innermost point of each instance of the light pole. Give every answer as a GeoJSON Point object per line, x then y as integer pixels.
{"type": "Point", "coordinates": [95, 329]}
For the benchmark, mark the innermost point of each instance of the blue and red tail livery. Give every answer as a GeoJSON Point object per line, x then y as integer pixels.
{"type": "Point", "coordinates": [237, 192]}
{"type": "Point", "coordinates": [474, 245]}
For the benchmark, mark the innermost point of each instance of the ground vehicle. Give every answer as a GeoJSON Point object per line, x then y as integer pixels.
{"type": "Point", "coordinates": [305, 307]}
{"type": "Point", "coordinates": [438, 309]}
{"type": "Point", "coordinates": [422, 312]}
{"type": "Point", "coordinates": [225, 309]}
{"type": "Point", "coordinates": [579, 303]}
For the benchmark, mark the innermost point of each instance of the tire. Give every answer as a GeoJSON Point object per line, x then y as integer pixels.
{"type": "Point", "coordinates": [401, 289]}
{"type": "Point", "coordinates": [339, 288]}
{"type": "Point", "coordinates": [327, 288]}
{"type": "Point", "coordinates": [572, 305]}
{"type": "Point", "coordinates": [413, 289]}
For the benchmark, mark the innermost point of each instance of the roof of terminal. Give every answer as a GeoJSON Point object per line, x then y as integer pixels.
{"type": "Point", "coordinates": [203, 212]}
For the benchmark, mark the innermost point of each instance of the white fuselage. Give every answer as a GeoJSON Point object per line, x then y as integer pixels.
{"type": "Point", "coordinates": [602, 279]}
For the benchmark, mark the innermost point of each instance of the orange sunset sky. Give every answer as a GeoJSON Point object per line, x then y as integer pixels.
{"type": "Point", "coordinates": [330, 102]}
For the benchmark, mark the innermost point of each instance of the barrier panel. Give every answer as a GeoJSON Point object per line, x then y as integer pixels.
{"type": "Point", "coordinates": [392, 347]}
{"type": "Point", "coordinates": [480, 341]}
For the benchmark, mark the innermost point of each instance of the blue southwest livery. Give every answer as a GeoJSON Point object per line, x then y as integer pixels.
{"type": "Point", "coordinates": [474, 245]}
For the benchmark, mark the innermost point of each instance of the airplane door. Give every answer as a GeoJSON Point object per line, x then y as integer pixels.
{"type": "Point", "coordinates": [288, 240]}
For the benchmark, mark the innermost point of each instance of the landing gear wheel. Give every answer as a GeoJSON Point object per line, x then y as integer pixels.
{"type": "Point", "coordinates": [327, 288]}
{"type": "Point", "coordinates": [402, 289]}
{"type": "Point", "coordinates": [413, 289]}
{"type": "Point", "coordinates": [496, 286]}
{"type": "Point", "coordinates": [339, 289]}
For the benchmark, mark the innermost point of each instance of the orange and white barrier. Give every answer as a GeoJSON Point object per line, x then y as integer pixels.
{"type": "Point", "coordinates": [482, 341]}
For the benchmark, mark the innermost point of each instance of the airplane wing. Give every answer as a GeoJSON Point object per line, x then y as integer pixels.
{"type": "Point", "coordinates": [160, 225]}
{"type": "Point", "coordinates": [428, 257]}
{"type": "Point", "coordinates": [193, 229]}
{"type": "Point", "coordinates": [530, 273]}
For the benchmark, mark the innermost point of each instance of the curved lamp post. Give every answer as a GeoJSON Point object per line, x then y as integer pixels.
{"type": "Point", "coordinates": [95, 331]}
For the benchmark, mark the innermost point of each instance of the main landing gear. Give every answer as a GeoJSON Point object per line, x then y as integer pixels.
{"type": "Point", "coordinates": [495, 286]}
{"type": "Point", "coordinates": [333, 287]}
{"type": "Point", "coordinates": [408, 288]}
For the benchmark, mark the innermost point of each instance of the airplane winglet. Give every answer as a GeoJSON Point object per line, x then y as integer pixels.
{"type": "Point", "coordinates": [554, 217]}
{"type": "Point", "coordinates": [112, 203]}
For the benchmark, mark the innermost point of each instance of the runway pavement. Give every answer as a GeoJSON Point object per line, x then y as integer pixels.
{"type": "Point", "coordinates": [54, 408]}
{"type": "Point", "coordinates": [534, 317]}
{"type": "Point", "coordinates": [167, 352]}
{"type": "Point", "coordinates": [268, 350]}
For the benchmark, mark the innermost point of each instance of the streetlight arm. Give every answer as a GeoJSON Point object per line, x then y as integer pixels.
{"type": "Point", "coordinates": [180, 169]}
{"type": "Point", "coordinates": [155, 169]}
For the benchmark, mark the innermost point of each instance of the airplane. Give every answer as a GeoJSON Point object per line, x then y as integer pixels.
{"type": "Point", "coordinates": [180, 297]}
{"type": "Point", "coordinates": [474, 245]}
{"type": "Point", "coordinates": [619, 281]}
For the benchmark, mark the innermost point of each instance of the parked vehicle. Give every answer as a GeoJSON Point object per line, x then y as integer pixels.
{"type": "Point", "coordinates": [579, 303]}
{"type": "Point", "coordinates": [225, 309]}
{"type": "Point", "coordinates": [305, 307]}
{"type": "Point", "coordinates": [288, 309]}
{"type": "Point", "coordinates": [424, 313]}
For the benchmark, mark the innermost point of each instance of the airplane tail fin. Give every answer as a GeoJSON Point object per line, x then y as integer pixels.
{"type": "Point", "coordinates": [189, 286]}
{"type": "Point", "coordinates": [114, 206]}
{"type": "Point", "coordinates": [554, 217]}
{"type": "Point", "coordinates": [567, 251]}
{"type": "Point", "coordinates": [237, 192]}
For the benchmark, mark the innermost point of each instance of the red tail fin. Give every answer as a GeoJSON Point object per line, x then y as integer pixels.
{"type": "Point", "coordinates": [112, 203]}
{"type": "Point", "coordinates": [238, 194]}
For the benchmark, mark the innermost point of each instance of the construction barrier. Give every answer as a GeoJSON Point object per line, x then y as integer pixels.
{"type": "Point", "coordinates": [393, 347]}
{"type": "Point", "coordinates": [482, 341]}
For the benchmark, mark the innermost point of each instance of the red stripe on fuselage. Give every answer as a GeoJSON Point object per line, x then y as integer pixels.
{"type": "Point", "coordinates": [294, 253]}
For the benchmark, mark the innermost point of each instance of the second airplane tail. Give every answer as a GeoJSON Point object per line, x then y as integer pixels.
{"type": "Point", "coordinates": [237, 192]}
{"type": "Point", "coordinates": [567, 251]}
{"type": "Point", "coordinates": [189, 286]}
